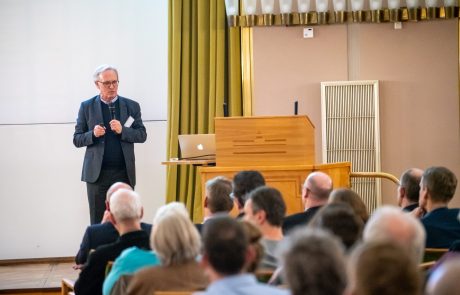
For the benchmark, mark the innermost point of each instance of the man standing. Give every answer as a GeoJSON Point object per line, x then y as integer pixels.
{"type": "Point", "coordinates": [108, 125]}
{"type": "Point", "coordinates": [409, 188]}
{"type": "Point", "coordinates": [315, 194]}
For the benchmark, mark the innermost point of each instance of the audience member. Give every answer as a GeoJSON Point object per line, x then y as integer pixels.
{"type": "Point", "coordinates": [217, 199]}
{"type": "Point", "coordinates": [243, 183]}
{"type": "Point", "coordinates": [134, 258]}
{"type": "Point", "coordinates": [225, 253]}
{"type": "Point", "coordinates": [391, 224]}
{"type": "Point", "coordinates": [444, 280]}
{"type": "Point", "coordinates": [103, 233]}
{"type": "Point", "coordinates": [437, 188]}
{"type": "Point", "coordinates": [125, 214]}
{"type": "Point", "coordinates": [341, 221]}
{"type": "Point", "coordinates": [383, 268]}
{"type": "Point", "coordinates": [255, 245]}
{"type": "Point", "coordinates": [408, 189]}
{"type": "Point", "coordinates": [315, 194]}
{"type": "Point", "coordinates": [176, 242]}
{"type": "Point", "coordinates": [313, 263]}
{"type": "Point", "coordinates": [265, 208]}
{"type": "Point", "coordinates": [350, 197]}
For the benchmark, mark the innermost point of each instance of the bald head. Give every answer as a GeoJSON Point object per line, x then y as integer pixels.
{"type": "Point", "coordinates": [410, 184]}
{"type": "Point", "coordinates": [319, 184]}
{"type": "Point", "coordinates": [445, 278]}
{"type": "Point", "coordinates": [116, 186]}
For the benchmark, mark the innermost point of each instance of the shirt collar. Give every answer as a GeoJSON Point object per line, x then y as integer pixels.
{"type": "Point", "coordinates": [112, 101]}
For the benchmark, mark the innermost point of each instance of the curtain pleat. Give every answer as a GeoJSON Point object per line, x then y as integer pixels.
{"type": "Point", "coordinates": [204, 68]}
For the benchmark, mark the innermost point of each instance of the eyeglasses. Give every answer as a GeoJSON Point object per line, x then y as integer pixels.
{"type": "Point", "coordinates": [109, 83]}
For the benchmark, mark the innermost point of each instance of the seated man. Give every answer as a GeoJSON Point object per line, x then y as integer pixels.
{"type": "Point", "coordinates": [103, 233]}
{"type": "Point", "coordinates": [314, 263]}
{"type": "Point", "coordinates": [437, 188]}
{"type": "Point", "coordinates": [243, 183]}
{"type": "Point", "coordinates": [383, 268]}
{"type": "Point", "coordinates": [409, 188]}
{"type": "Point", "coordinates": [265, 208]}
{"type": "Point", "coordinates": [217, 200]}
{"type": "Point", "coordinates": [125, 214]}
{"type": "Point", "coordinates": [315, 194]}
{"type": "Point", "coordinates": [225, 255]}
{"type": "Point", "coordinates": [391, 224]}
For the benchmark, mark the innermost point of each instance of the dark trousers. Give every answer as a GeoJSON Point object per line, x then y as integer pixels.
{"type": "Point", "coordinates": [97, 192]}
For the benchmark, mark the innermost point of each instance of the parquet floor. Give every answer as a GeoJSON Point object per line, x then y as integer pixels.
{"type": "Point", "coordinates": [35, 275]}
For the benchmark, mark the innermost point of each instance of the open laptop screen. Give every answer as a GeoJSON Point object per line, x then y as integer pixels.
{"type": "Point", "coordinates": [197, 146]}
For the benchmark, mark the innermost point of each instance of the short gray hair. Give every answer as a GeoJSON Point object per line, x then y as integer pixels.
{"type": "Point", "coordinates": [174, 237]}
{"type": "Point", "coordinates": [102, 68]}
{"type": "Point", "coordinates": [125, 205]}
{"type": "Point", "coordinates": [390, 223]}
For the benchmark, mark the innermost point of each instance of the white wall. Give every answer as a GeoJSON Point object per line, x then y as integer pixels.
{"type": "Point", "coordinates": [49, 49]}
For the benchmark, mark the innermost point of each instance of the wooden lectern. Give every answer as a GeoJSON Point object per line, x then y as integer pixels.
{"type": "Point", "coordinates": [282, 148]}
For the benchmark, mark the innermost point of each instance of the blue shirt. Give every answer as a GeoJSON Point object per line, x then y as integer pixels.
{"type": "Point", "coordinates": [129, 261]}
{"type": "Point", "coordinates": [241, 284]}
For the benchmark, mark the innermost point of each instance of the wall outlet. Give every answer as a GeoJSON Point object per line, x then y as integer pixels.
{"type": "Point", "coordinates": [308, 32]}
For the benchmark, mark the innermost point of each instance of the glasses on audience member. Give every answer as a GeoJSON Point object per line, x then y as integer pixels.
{"type": "Point", "coordinates": [109, 83]}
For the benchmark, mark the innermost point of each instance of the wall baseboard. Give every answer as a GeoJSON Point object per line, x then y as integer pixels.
{"type": "Point", "coordinates": [36, 260]}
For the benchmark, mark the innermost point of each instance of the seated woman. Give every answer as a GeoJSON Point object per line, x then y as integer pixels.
{"type": "Point", "coordinates": [134, 259]}
{"type": "Point", "coordinates": [176, 241]}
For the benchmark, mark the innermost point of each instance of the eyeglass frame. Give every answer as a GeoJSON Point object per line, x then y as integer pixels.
{"type": "Point", "coordinates": [107, 84]}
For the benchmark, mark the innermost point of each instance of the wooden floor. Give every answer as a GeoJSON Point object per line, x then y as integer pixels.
{"type": "Point", "coordinates": [35, 276]}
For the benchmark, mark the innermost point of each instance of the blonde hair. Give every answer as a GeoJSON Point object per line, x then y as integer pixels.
{"type": "Point", "coordinates": [174, 237]}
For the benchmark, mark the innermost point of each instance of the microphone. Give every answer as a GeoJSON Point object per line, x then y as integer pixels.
{"type": "Point", "coordinates": [296, 107]}
{"type": "Point", "coordinates": [225, 109]}
{"type": "Point", "coordinates": [112, 111]}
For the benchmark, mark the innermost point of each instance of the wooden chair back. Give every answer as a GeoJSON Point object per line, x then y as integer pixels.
{"type": "Point", "coordinates": [433, 254]}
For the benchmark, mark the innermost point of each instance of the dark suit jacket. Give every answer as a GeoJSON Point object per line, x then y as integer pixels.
{"type": "Point", "coordinates": [100, 234]}
{"type": "Point", "coordinates": [442, 227]}
{"type": "Point", "coordinates": [410, 207]}
{"type": "Point", "coordinates": [90, 115]}
{"type": "Point", "coordinates": [92, 276]}
{"type": "Point", "coordinates": [297, 219]}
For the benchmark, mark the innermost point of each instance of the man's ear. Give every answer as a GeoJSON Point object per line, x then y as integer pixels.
{"type": "Point", "coordinates": [250, 256]}
{"type": "Point", "coordinates": [204, 262]}
{"type": "Point", "coordinates": [206, 202]}
{"type": "Point", "coordinates": [142, 213]}
{"type": "Point", "coordinates": [261, 216]}
{"type": "Point", "coordinates": [112, 219]}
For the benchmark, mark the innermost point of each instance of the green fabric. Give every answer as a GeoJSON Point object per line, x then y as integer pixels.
{"type": "Point", "coordinates": [204, 68]}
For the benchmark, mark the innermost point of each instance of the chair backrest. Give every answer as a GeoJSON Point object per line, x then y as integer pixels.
{"type": "Point", "coordinates": [108, 267]}
{"type": "Point", "coordinates": [425, 266]}
{"type": "Point", "coordinates": [433, 254]}
{"type": "Point", "coordinates": [67, 287]}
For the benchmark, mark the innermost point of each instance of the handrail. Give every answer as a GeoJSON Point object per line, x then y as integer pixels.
{"type": "Point", "coordinates": [376, 175]}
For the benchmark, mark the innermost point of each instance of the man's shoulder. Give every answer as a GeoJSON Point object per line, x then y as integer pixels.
{"type": "Point", "coordinates": [101, 227]}
{"type": "Point", "coordinates": [295, 216]}
{"type": "Point", "coordinates": [127, 101]}
{"type": "Point", "coordinates": [146, 227]}
{"type": "Point", "coordinates": [90, 100]}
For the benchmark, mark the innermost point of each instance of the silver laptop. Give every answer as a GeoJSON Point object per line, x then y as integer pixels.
{"type": "Point", "coordinates": [197, 146]}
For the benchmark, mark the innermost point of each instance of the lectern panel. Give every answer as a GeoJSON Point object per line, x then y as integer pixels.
{"type": "Point", "coordinates": [264, 141]}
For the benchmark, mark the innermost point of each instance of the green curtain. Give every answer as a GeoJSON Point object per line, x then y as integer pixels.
{"type": "Point", "coordinates": [204, 70]}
